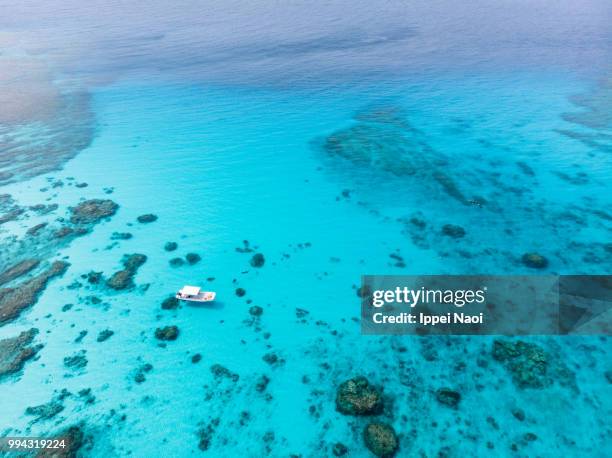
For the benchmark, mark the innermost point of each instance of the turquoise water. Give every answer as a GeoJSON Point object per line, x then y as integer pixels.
{"type": "Point", "coordinates": [222, 160]}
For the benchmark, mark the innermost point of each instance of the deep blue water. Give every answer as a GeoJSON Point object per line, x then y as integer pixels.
{"type": "Point", "coordinates": [214, 117]}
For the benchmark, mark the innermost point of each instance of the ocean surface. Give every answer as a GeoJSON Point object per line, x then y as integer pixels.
{"type": "Point", "coordinates": [336, 139]}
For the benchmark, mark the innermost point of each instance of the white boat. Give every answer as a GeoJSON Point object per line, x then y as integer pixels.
{"type": "Point", "coordinates": [195, 294]}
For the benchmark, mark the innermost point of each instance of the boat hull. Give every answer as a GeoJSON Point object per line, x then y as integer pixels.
{"type": "Point", "coordinates": [202, 297]}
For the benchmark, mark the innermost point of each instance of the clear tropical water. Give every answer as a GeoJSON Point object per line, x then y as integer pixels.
{"type": "Point", "coordinates": [214, 118]}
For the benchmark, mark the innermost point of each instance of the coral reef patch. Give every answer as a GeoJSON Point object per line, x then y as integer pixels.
{"type": "Point", "coordinates": [16, 299]}
{"type": "Point", "coordinates": [357, 396]}
{"type": "Point", "coordinates": [16, 351]}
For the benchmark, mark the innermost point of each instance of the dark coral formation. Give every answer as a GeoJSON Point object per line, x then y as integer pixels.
{"type": "Point", "coordinates": [255, 310]}
{"type": "Point", "coordinates": [192, 258]}
{"type": "Point", "coordinates": [454, 231]}
{"type": "Point", "coordinates": [170, 246]}
{"type": "Point", "coordinates": [170, 303]}
{"type": "Point", "coordinates": [18, 269]}
{"type": "Point", "coordinates": [534, 260]}
{"type": "Point", "coordinates": [220, 372]}
{"type": "Point", "coordinates": [383, 140]}
{"type": "Point", "coordinates": [207, 433]}
{"type": "Point", "coordinates": [448, 397]}
{"type": "Point", "coordinates": [34, 230]}
{"type": "Point", "coordinates": [11, 215]}
{"type": "Point", "coordinates": [45, 411]}
{"type": "Point", "coordinates": [177, 262]}
{"type": "Point", "coordinates": [381, 440]}
{"type": "Point", "coordinates": [104, 335]}
{"type": "Point", "coordinates": [121, 236]}
{"type": "Point", "coordinates": [526, 362]}
{"type": "Point", "coordinates": [74, 439]}
{"type": "Point", "coordinates": [339, 449]}
{"type": "Point", "coordinates": [357, 396]}
{"type": "Point", "coordinates": [196, 358]}
{"type": "Point", "coordinates": [148, 218]}
{"type": "Point", "coordinates": [93, 211]}
{"type": "Point", "coordinates": [94, 278]}
{"type": "Point", "coordinates": [133, 262]}
{"type": "Point", "coordinates": [262, 383]}
{"type": "Point", "coordinates": [273, 359]}
{"type": "Point", "coordinates": [124, 279]}
{"type": "Point", "coordinates": [15, 351]}
{"type": "Point", "coordinates": [35, 145]}
{"type": "Point", "coordinates": [257, 260]}
{"type": "Point", "coordinates": [139, 376]}
{"type": "Point", "coordinates": [14, 300]}
{"type": "Point", "coordinates": [167, 333]}
{"type": "Point", "coordinates": [531, 366]}
{"type": "Point", "coordinates": [76, 361]}
{"type": "Point", "coordinates": [246, 248]}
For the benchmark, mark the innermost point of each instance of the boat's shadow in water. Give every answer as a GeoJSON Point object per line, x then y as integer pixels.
{"type": "Point", "coordinates": [216, 305]}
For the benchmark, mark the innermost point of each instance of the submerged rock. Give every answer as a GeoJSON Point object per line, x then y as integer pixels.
{"type": "Point", "coordinates": [15, 351]}
{"type": "Point", "coordinates": [167, 333]}
{"type": "Point", "coordinates": [448, 397]}
{"type": "Point", "coordinates": [240, 292]}
{"type": "Point", "coordinates": [14, 300]}
{"type": "Point", "coordinates": [170, 246]}
{"type": "Point", "coordinates": [257, 260]}
{"type": "Point", "coordinates": [380, 439]}
{"type": "Point", "coordinates": [357, 396]}
{"type": "Point", "coordinates": [454, 231]}
{"type": "Point", "coordinates": [177, 262]}
{"type": "Point", "coordinates": [534, 260]}
{"type": "Point", "coordinates": [148, 218]}
{"type": "Point", "coordinates": [17, 270]}
{"type": "Point", "coordinates": [92, 211]}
